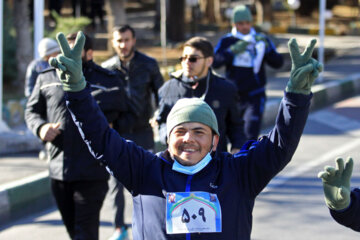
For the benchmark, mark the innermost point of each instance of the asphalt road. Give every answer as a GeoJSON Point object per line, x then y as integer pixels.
{"type": "Point", "coordinates": [291, 207]}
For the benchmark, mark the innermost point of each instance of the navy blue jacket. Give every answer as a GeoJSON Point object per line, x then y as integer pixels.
{"type": "Point", "coordinates": [221, 96]}
{"type": "Point", "coordinates": [351, 216]}
{"type": "Point", "coordinates": [236, 179]}
{"type": "Point", "coordinates": [107, 89]}
{"type": "Point", "coordinates": [247, 82]}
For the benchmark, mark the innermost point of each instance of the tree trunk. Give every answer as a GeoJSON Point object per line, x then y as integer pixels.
{"type": "Point", "coordinates": [116, 15]}
{"type": "Point", "coordinates": [267, 11]}
{"type": "Point", "coordinates": [212, 11]}
{"type": "Point", "coordinates": [176, 23]}
{"type": "Point", "coordinates": [24, 43]}
{"type": "Point", "coordinates": [117, 9]}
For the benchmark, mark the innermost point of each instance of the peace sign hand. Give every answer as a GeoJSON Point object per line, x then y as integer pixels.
{"type": "Point", "coordinates": [68, 64]}
{"type": "Point", "coordinates": [304, 69]}
{"type": "Point", "coordinates": [336, 184]}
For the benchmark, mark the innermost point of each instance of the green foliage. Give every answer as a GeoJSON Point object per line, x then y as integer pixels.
{"type": "Point", "coordinates": [68, 25]}
{"type": "Point", "coordinates": [9, 46]}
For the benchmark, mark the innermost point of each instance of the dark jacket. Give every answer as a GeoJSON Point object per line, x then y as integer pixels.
{"type": "Point", "coordinates": [33, 70]}
{"type": "Point", "coordinates": [350, 217]}
{"type": "Point", "coordinates": [107, 89]}
{"type": "Point", "coordinates": [246, 80]}
{"type": "Point", "coordinates": [70, 159]}
{"type": "Point", "coordinates": [141, 79]}
{"type": "Point", "coordinates": [220, 94]}
{"type": "Point", "coordinates": [236, 179]}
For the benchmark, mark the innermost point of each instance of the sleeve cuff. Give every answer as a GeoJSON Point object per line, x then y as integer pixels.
{"type": "Point", "coordinates": [78, 95]}
{"type": "Point", "coordinates": [298, 99]}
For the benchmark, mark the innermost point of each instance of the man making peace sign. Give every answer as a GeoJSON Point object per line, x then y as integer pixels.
{"type": "Point", "coordinates": [190, 190]}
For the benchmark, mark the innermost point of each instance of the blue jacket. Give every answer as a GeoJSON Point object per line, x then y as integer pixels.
{"type": "Point", "coordinates": [107, 89]}
{"type": "Point", "coordinates": [351, 216]}
{"type": "Point", "coordinates": [246, 80]}
{"type": "Point", "coordinates": [222, 97]}
{"type": "Point", "coordinates": [236, 179]}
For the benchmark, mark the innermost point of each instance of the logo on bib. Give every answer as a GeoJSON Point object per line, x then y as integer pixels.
{"type": "Point", "coordinates": [189, 212]}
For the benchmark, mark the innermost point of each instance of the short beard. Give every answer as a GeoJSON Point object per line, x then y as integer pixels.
{"type": "Point", "coordinates": [132, 50]}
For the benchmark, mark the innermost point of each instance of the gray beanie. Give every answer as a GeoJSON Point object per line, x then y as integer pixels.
{"type": "Point", "coordinates": [47, 46]}
{"type": "Point", "coordinates": [241, 13]}
{"type": "Point", "coordinates": [191, 110]}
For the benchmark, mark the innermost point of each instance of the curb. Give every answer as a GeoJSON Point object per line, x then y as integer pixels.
{"type": "Point", "coordinates": [323, 95]}
{"type": "Point", "coordinates": [25, 196]}
{"type": "Point", "coordinates": [300, 30]}
{"type": "Point", "coordinates": [22, 141]}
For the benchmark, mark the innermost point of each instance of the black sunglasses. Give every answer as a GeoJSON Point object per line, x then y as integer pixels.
{"type": "Point", "coordinates": [192, 59]}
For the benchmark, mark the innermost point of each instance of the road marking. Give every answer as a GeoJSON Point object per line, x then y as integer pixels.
{"type": "Point", "coordinates": [23, 181]}
{"type": "Point", "coordinates": [336, 121]}
{"type": "Point", "coordinates": [339, 151]}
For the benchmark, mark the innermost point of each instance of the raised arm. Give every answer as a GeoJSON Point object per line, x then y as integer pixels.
{"type": "Point", "coordinates": [271, 153]}
{"type": "Point", "coordinates": [295, 105]}
{"type": "Point", "coordinates": [124, 159]}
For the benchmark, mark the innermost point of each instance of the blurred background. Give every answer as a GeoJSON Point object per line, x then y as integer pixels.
{"type": "Point", "coordinates": [161, 28]}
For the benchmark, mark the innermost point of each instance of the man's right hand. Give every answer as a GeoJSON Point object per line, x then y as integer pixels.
{"type": "Point", "coordinates": [49, 131]}
{"type": "Point", "coordinates": [68, 64]}
{"type": "Point", "coordinates": [336, 184]}
{"type": "Point", "coordinates": [239, 47]}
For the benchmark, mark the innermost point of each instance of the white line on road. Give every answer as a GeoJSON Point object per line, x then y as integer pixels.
{"type": "Point", "coordinates": [336, 121]}
{"type": "Point", "coordinates": [338, 151]}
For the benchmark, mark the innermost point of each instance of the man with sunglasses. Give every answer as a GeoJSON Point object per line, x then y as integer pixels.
{"type": "Point", "coordinates": [191, 190]}
{"type": "Point", "coordinates": [196, 79]}
{"type": "Point", "coordinates": [244, 53]}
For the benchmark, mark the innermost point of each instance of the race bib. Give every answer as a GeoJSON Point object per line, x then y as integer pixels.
{"type": "Point", "coordinates": [243, 59]}
{"type": "Point", "coordinates": [192, 212]}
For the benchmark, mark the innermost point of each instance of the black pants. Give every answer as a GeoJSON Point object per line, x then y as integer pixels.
{"type": "Point", "coordinates": [79, 204]}
{"type": "Point", "coordinates": [117, 195]}
{"type": "Point", "coordinates": [252, 109]}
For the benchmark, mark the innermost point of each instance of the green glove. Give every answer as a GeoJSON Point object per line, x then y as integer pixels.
{"type": "Point", "coordinates": [304, 69]}
{"type": "Point", "coordinates": [336, 184]}
{"type": "Point", "coordinates": [68, 64]}
{"type": "Point", "coordinates": [260, 37]}
{"type": "Point", "coordinates": [239, 46]}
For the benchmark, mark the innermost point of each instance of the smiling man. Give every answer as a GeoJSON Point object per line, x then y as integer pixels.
{"type": "Point", "coordinates": [196, 79]}
{"type": "Point", "coordinates": [191, 190]}
{"type": "Point", "coordinates": [192, 131]}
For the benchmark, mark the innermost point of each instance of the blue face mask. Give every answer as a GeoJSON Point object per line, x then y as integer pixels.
{"type": "Point", "coordinates": [191, 170]}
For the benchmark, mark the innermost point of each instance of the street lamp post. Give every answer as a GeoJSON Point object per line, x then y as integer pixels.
{"type": "Point", "coordinates": [321, 37]}
{"type": "Point", "coordinates": [163, 31]}
{"type": "Point", "coordinates": [3, 126]}
{"type": "Point", "coordinates": [38, 24]}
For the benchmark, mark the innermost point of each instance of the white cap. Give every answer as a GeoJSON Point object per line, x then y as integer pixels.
{"type": "Point", "coordinates": [47, 46]}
